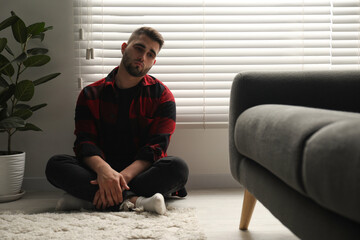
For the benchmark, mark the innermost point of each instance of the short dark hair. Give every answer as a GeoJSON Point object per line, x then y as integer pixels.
{"type": "Point", "coordinates": [150, 32]}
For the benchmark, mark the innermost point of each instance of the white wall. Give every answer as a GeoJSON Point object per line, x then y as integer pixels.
{"type": "Point", "coordinates": [206, 151]}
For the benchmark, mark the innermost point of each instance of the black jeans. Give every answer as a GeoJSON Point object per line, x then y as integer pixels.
{"type": "Point", "coordinates": [165, 176]}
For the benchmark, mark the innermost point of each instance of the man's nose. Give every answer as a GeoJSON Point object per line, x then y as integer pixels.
{"type": "Point", "coordinates": [142, 57]}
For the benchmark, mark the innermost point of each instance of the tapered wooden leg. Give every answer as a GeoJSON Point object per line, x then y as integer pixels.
{"type": "Point", "coordinates": [247, 210]}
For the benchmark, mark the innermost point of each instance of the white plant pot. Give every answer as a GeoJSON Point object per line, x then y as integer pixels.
{"type": "Point", "coordinates": [11, 176]}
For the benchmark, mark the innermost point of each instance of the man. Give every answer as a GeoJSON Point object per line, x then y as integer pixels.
{"type": "Point", "coordinates": [123, 125]}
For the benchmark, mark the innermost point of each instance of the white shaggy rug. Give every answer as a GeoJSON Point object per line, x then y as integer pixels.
{"type": "Point", "coordinates": [177, 223]}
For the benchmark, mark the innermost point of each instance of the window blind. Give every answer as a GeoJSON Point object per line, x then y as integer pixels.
{"type": "Point", "coordinates": [345, 34]}
{"type": "Point", "coordinates": [208, 42]}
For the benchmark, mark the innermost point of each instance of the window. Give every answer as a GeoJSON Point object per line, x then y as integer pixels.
{"type": "Point", "coordinates": [208, 42]}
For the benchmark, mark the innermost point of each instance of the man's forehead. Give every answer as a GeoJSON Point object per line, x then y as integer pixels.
{"type": "Point", "coordinates": [147, 42]}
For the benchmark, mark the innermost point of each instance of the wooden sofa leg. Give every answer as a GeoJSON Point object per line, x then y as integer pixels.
{"type": "Point", "coordinates": [247, 210]}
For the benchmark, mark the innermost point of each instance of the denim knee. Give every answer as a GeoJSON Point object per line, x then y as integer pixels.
{"type": "Point", "coordinates": [178, 167]}
{"type": "Point", "coordinates": [54, 164]}
{"type": "Point", "coordinates": [50, 166]}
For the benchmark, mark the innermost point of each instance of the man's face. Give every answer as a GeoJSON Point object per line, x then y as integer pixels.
{"type": "Point", "coordinates": [139, 55]}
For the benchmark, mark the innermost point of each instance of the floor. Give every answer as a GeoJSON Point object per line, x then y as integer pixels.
{"type": "Point", "coordinates": [218, 212]}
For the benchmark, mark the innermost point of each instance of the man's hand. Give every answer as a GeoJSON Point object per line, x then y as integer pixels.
{"type": "Point", "coordinates": [111, 184]}
{"type": "Point", "coordinates": [97, 202]}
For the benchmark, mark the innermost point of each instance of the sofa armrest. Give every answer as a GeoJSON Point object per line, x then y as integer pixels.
{"type": "Point", "coordinates": [335, 90]}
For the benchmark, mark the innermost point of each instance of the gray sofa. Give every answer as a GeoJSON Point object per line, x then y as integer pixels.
{"type": "Point", "coordinates": [294, 139]}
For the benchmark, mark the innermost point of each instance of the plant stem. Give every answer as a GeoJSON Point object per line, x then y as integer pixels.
{"type": "Point", "coordinates": [19, 64]}
{"type": "Point", "coordinates": [18, 73]}
{"type": "Point", "coordinates": [13, 100]}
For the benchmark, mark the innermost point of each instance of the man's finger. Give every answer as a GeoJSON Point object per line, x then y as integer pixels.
{"type": "Point", "coordinates": [94, 182]}
{"type": "Point", "coordinates": [119, 195]}
{"type": "Point", "coordinates": [110, 200]}
{"type": "Point", "coordinates": [115, 194]}
{"type": "Point", "coordinates": [102, 196]}
{"type": "Point", "coordinates": [119, 192]}
{"type": "Point", "coordinates": [104, 205]}
{"type": "Point", "coordinates": [123, 184]}
{"type": "Point", "coordinates": [96, 198]}
{"type": "Point", "coordinates": [99, 204]}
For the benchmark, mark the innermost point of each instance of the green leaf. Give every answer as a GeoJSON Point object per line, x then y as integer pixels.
{"type": "Point", "coordinates": [6, 94]}
{"type": "Point", "coordinates": [37, 51]}
{"type": "Point", "coordinates": [36, 61]}
{"type": "Point", "coordinates": [12, 122]}
{"type": "Point", "coordinates": [9, 50]}
{"type": "Point", "coordinates": [3, 82]}
{"type": "Point", "coordinates": [29, 126]}
{"type": "Point", "coordinates": [19, 59]}
{"type": "Point", "coordinates": [37, 107]}
{"type": "Point", "coordinates": [46, 78]}
{"type": "Point", "coordinates": [48, 28]}
{"type": "Point", "coordinates": [36, 28]}
{"type": "Point", "coordinates": [22, 113]}
{"type": "Point", "coordinates": [3, 42]}
{"type": "Point", "coordinates": [19, 31]}
{"type": "Point", "coordinates": [5, 66]}
{"type": "Point", "coordinates": [8, 22]}
{"type": "Point", "coordinates": [22, 106]}
{"type": "Point", "coordinates": [41, 36]}
{"type": "Point", "coordinates": [24, 90]}
{"type": "Point", "coordinates": [3, 114]}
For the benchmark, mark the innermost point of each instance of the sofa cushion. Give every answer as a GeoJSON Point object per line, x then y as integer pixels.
{"type": "Point", "coordinates": [275, 135]}
{"type": "Point", "coordinates": [331, 169]}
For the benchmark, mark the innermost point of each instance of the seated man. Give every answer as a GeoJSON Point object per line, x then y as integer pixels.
{"type": "Point", "coordinates": [123, 125]}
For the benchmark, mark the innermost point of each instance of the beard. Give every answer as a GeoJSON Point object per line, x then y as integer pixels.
{"type": "Point", "coordinates": [134, 71]}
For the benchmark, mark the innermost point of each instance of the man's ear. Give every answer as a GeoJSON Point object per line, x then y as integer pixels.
{"type": "Point", "coordinates": [123, 46]}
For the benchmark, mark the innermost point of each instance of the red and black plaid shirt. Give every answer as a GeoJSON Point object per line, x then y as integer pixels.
{"type": "Point", "coordinates": [151, 118]}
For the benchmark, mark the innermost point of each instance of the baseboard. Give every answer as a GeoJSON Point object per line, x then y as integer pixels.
{"type": "Point", "coordinates": [197, 181]}
{"type": "Point", "coordinates": [37, 184]}
{"type": "Point", "coordinates": [208, 181]}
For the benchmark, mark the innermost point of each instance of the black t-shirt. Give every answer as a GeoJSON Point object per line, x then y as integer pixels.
{"type": "Point", "coordinates": [124, 154]}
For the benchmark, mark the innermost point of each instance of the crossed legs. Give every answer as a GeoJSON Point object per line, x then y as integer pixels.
{"type": "Point", "coordinates": [165, 176]}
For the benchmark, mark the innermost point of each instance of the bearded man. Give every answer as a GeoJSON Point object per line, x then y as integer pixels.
{"type": "Point", "coordinates": [123, 126]}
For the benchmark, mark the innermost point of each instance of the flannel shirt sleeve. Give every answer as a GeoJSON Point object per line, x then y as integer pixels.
{"type": "Point", "coordinates": [161, 129]}
{"type": "Point", "coordinates": [86, 112]}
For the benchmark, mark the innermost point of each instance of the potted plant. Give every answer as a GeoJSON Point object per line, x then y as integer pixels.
{"type": "Point", "coordinates": [15, 93]}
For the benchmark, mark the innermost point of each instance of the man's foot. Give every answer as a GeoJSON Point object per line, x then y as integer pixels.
{"type": "Point", "coordinates": [68, 202]}
{"type": "Point", "coordinates": [180, 193]}
{"type": "Point", "coordinates": [156, 203]}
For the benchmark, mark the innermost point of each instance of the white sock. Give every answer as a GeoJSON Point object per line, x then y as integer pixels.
{"type": "Point", "coordinates": [156, 203]}
{"type": "Point", "coordinates": [69, 202]}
